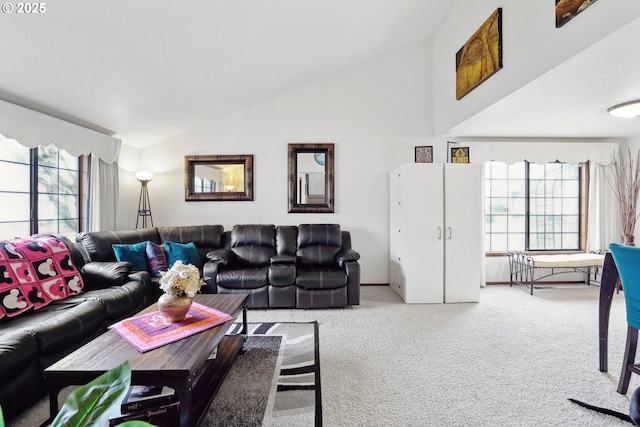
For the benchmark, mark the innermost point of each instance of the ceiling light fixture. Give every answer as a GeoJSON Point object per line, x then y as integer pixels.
{"type": "Point", "coordinates": [627, 109]}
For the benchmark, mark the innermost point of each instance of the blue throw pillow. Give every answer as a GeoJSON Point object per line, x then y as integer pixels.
{"type": "Point", "coordinates": [186, 252]}
{"type": "Point", "coordinates": [135, 254]}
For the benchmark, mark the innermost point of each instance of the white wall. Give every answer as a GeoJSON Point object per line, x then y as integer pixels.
{"type": "Point", "coordinates": [531, 46]}
{"type": "Point", "coordinates": [375, 114]}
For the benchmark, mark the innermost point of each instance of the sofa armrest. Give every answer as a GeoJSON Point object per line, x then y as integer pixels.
{"type": "Point", "coordinates": [209, 275]}
{"type": "Point", "coordinates": [347, 256]}
{"type": "Point", "coordinates": [99, 275]}
{"type": "Point", "coordinates": [220, 256]}
{"type": "Point", "coordinates": [352, 268]}
{"type": "Point", "coordinates": [283, 259]}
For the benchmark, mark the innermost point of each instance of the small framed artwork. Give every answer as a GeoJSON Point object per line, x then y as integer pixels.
{"type": "Point", "coordinates": [568, 9]}
{"type": "Point", "coordinates": [424, 154]}
{"type": "Point", "coordinates": [460, 155]}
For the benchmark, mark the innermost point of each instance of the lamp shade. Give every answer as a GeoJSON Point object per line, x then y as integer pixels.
{"type": "Point", "coordinates": [144, 176]}
{"type": "Point", "coordinates": [627, 109]}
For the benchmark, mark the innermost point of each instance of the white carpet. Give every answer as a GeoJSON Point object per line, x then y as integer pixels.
{"type": "Point", "coordinates": [510, 360]}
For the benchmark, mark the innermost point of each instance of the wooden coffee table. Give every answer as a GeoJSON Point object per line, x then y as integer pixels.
{"type": "Point", "coordinates": [182, 365]}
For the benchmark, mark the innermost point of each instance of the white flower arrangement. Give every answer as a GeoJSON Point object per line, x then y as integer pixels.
{"type": "Point", "coordinates": [181, 280]}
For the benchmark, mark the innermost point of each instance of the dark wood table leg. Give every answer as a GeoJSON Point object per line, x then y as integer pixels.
{"type": "Point", "coordinates": [245, 329]}
{"type": "Point", "coordinates": [54, 386]}
{"type": "Point", "coordinates": [608, 282]}
{"type": "Point", "coordinates": [184, 395]}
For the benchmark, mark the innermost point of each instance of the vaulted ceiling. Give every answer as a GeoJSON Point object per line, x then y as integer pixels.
{"type": "Point", "coordinates": [147, 70]}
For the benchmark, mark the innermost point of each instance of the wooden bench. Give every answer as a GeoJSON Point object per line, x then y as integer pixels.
{"type": "Point", "coordinates": [522, 266]}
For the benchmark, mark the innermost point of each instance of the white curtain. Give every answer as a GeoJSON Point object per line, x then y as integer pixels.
{"type": "Point", "coordinates": [103, 195]}
{"type": "Point", "coordinates": [31, 129]}
{"type": "Point", "coordinates": [604, 213]}
{"type": "Point", "coordinates": [539, 152]}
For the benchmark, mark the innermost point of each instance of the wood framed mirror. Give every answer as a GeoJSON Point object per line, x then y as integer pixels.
{"type": "Point", "coordinates": [311, 178]}
{"type": "Point", "coordinates": [218, 178]}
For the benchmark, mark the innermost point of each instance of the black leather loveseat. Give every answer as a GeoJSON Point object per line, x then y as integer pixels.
{"type": "Point", "coordinates": [305, 266]}
{"type": "Point", "coordinates": [38, 336]}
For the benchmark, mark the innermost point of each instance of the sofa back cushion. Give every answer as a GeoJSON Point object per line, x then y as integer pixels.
{"type": "Point", "coordinates": [318, 244]}
{"type": "Point", "coordinates": [205, 237]}
{"type": "Point", "coordinates": [286, 239]}
{"type": "Point", "coordinates": [253, 245]}
{"type": "Point", "coordinates": [98, 245]}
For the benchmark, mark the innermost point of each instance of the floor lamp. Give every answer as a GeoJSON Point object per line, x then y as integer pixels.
{"type": "Point", "coordinates": [144, 206]}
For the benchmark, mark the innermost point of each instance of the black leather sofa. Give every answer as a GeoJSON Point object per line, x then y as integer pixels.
{"type": "Point", "coordinates": [33, 340]}
{"type": "Point", "coordinates": [308, 266]}
{"type": "Point", "coordinates": [305, 266]}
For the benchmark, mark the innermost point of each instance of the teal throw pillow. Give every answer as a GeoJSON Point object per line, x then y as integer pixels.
{"type": "Point", "coordinates": [135, 253]}
{"type": "Point", "coordinates": [186, 252]}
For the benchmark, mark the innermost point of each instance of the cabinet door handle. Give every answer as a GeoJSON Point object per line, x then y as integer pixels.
{"type": "Point", "coordinates": [449, 231]}
{"type": "Point", "coordinates": [439, 233]}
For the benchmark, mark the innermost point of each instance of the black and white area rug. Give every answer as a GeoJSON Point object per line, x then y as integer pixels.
{"type": "Point", "coordinates": [275, 382]}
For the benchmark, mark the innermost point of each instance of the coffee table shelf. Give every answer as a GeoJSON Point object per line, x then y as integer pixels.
{"type": "Point", "coordinates": [182, 365]}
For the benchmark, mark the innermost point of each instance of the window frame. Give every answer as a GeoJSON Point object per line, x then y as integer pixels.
{"type": "Point", "coordinates": [82, 167]}
{"type": "Point", "coordinates": [583, 203]}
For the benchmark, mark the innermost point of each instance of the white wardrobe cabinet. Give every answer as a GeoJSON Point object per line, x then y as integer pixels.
{"type": "Point", "coordinates": [436, 232]}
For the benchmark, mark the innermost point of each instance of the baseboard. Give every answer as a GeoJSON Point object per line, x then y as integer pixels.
{"type": "Point", "coordinates": [374, 284]}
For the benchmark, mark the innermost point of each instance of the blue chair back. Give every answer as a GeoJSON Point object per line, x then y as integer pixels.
{"type": "Point", "coordinates": [627, 260]}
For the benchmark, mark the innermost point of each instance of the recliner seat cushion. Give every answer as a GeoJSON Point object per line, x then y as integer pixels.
{"type": "Point", "coordinates": [321, 278]}
{"type": "Point", "coordinates": [243, 278]}
{"type": "Point", "coordinates": [62, 324]}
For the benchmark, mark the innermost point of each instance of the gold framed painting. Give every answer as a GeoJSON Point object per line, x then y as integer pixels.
{"type": "Point", "coordinates": [481, 55]}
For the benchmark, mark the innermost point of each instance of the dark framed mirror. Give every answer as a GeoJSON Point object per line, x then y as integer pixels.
{"type": "Point", "coordinates": [218, 178]}
{"type": "Point", "coordinates": [311, 178]}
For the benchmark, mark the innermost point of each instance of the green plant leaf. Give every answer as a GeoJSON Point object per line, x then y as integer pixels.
{"type": "Point", "coordinates": [95, 402]}
{"type": "Point", "coordinates": [135, 423]}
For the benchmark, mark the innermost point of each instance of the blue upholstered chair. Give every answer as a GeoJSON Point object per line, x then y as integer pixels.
{"type": "Point", "coordinates": [627, 259]}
